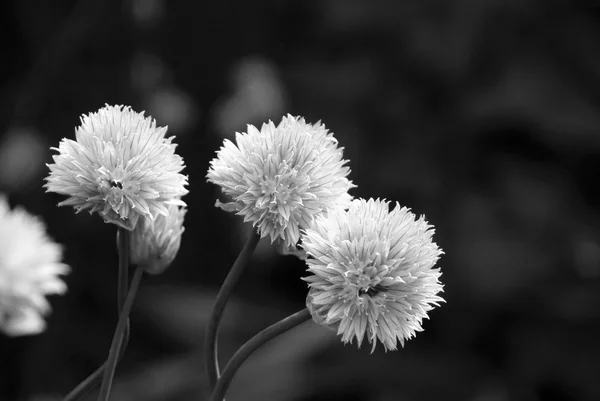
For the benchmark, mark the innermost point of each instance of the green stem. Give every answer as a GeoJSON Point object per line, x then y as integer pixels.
{"type": "Point", "coordinates": [113, 353]}
{"type": "Point", "coordinates": [212, 330]}
{"type": "Point", "coordinates": [249, 347]}
{"type": "Point", "coordinates": [123, 238]}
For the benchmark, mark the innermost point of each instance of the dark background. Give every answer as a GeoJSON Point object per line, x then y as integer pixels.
{"type": "Point", "coordinates": [482, 114]}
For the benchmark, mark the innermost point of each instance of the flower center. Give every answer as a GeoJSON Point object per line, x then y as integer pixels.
{"type": "Point", "coordinates": [115, 198]}
{"type": "Point", "coordinates": [274, 192]}
{"type": "Point", "coordinates": [372, 291]}
{"type": "Point", "coordinates": [364, 276]}
{"type": "Point", "coordinates": [115, 194]}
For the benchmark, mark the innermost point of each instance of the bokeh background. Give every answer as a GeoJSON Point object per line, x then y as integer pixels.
{"type": "Point", "coordinates": [484, 115]}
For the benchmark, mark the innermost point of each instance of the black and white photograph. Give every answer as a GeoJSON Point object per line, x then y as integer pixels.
{"type": "Point", "coordinates": [288, 200]}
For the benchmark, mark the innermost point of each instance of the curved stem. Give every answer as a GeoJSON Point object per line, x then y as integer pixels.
{"type": "Point", "coordinates": [252, 345]}
{"type": "Point", "coordinates": [113, 353]}
{"type": "Point", "coordinates": [123, 238]}
{"type": "Point", "coordinates": [212, 330]}
{"type": "Point", "coordinates": [95, 378]}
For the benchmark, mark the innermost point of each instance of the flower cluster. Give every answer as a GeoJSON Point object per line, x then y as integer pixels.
{"type": "Point", "coordinates": [372, 272]}
{"type": "Point", "coordinates": [281, 177]}
{"type": "Point", "coordinates": [121, 166]}
{"type": "Point", "coordinates": [29, 270]}
{"type": "Point", "coordinates": [372, 269]}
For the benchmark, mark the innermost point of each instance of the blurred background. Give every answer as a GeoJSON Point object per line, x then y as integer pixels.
{"type": "Point", "coordinates": [484, 115]}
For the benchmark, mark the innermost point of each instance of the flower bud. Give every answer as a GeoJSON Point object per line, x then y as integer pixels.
{"type": "Point", "coordinates": [155, 243]}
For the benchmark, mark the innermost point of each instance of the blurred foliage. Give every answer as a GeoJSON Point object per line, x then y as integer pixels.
{"type": "Point", "coordinates": [484, 115]}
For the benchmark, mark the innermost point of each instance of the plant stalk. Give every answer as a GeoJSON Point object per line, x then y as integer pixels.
{"type": "Point", "coordinates": [252, 345]}
{"type": "Point", "coordinates": [123, 238]}
{"type": "Point", "coordinates": [212, 330]}
{"type": "Point", "coordinates": [115, 346]}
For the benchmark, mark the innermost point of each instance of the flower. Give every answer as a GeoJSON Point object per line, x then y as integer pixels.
{"type": "Point", "coordinates": [29, 270]}
{"type": "Point", "coordinates": [120, 165]}
{"type": "Point", "coordinates": [154, 244]}
{"type": "Point", "coordinates": [372, 272]}
{"type": "Point", "coordinates": [282, 176]}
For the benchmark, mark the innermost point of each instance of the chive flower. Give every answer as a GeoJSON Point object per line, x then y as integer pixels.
{"type": "Point", "coordinates": [372, 272]}
{"type": "Point", "coordinates": [281, 177]}
{"type": "Point", "coordinates": [119, 165]}
{"type": "Point", "coordinates": [30, 269]}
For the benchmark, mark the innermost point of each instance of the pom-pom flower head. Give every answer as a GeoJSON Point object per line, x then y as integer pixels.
{"type": "Point", "coordinates": [282, 176]}
{"type": "Point", "coordinates": [29, 270]}
{"type": "Point", "coordinates": [372, 272]}
{"type": "Point", "coordinates": [120, 165]}
{"type": "Point", "coordinates": [154, 244]}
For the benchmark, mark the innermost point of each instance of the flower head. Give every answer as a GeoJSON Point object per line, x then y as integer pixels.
{"type": "Point", "coordinates": [372, 272]}
{"type": "Point", "coordinates": [29, 270]}
{"type": "Point", "coordinates": [282, 176]}
{"type": "Point", "coordinates": [120, 165]}
{"type": "Point", "coordinates": [154, 244]}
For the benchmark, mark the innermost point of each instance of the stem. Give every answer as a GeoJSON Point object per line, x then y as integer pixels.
{"type": "Point", "coordinates": [113, 353]}
{"type": "Point", "coordinates": [212, 330]}
{"type": "Point", "coordinates": [249, 347]}
{"type": "Point", "coordinates": [123, 238]}
{"type": "Point", "coordinates": [95, 378]}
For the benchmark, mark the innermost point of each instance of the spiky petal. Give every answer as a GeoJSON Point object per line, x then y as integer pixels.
{"type": "Point", "coordinates": [29, 270]}
{"type": "Point", "coordinates": [372, 272]}
{"type": "Point", "coordinates": [120, 165]}
{"type": "Point", "coordinates": [281, 177]}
